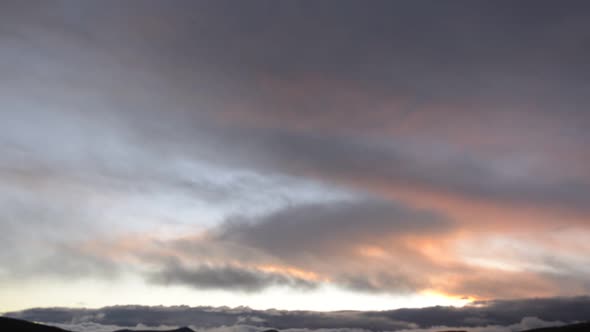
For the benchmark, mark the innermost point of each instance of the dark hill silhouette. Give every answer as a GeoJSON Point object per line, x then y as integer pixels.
{"type": "Point", "coordinates": [17, 325]}
{"type": "Point", "coordinates": [182, 329]}
{"type": "Point", "coordinates": [581, 327]}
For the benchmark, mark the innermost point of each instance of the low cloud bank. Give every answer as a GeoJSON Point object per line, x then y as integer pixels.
{"type": "Point", "coordinates": [525, 324]}
{"type": "Point", "coordinates": [488, 316]}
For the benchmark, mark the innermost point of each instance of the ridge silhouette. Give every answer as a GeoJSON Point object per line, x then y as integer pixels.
{"type": "Point", "coordinates": [18, 325]}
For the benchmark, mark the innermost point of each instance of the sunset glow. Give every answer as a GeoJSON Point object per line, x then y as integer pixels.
{"type": "Point", "coordinates": [296, 155]}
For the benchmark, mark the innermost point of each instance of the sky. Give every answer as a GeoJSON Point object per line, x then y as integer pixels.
{"type": "Point", "coordinates": [301, 155]}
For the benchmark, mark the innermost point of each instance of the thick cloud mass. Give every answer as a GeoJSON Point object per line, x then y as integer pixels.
{"type": "Point", "coordinates": [229, 278]}
{"type": "Point", "coordinates": [314, 227]}
{"type": "Point", "coordinates": [495, 315]}
{"type": "Point", "coordinates": [407, 148]}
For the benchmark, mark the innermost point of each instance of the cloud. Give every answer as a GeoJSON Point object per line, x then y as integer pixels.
{"type": "Point", "coordinates": [226, 278]}
{"type": "Point", "coordinates": [299, 230]}
{"type": "Point", "coordinates": [95, 327]}
{"type": "Point", "coordinates": [303, 246]}
{"type": "Point", "coordinates": [496, 316]}
{"type": "Point", "coordinates": [375, 147]}
{"type": "Point", "coordinates": [421, 170]}
{"type": "Point", "coordinates": [344, 244]}
{"type": "Point", "coordinates": [527, 323]}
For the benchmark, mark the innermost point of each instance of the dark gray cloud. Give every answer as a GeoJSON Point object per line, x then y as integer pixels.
{"type": "Point", "coordinates": [491, 313]}
{"type": "Point", "coordinates": [436, 54]}
{"type": "Point", "coordinates": [225, 277]}
{"type": "Point", "coordinates": [432, 168]}
{"type": "Point", "coordinates": [306, 229]}
{"type": "Point", "coordinates": [380, 282]}
{"type": "Point", "coordinates": [316, 241]}
{"type": "Point", "coordinates": [105, 103]}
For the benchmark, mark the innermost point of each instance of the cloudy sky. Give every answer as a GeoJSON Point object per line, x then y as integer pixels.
{"type": "Point", "coordinates": [312, 155]}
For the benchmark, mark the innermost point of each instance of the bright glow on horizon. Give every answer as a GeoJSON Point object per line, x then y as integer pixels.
{"type": "Point", "coordinates": [302, 157]}
{"type": "Point", "coordinates": [134, 291]}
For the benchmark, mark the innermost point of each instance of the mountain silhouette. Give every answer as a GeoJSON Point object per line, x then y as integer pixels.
{"type": "Point", "coordinates": [18, 325]}
{"type": "Point", "coordinates": [581, 327]}
{"type": "Point", "coordinates": [182, 329]}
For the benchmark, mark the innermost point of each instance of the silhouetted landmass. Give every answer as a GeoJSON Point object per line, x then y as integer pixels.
{"type": "Point", "coordinates": [488, 313]}
{"type": "Point", "coordinates": [581, 327]}
{"type": "Point", "coordinates": [182, 329]}
{"type": "Point", "coordinates": [17, 325]}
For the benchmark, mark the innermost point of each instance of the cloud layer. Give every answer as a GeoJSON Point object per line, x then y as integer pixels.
{"type": "Point", "coordinates": [396, 148]}
{"type": "Point", "coordinates": [513, 315]}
